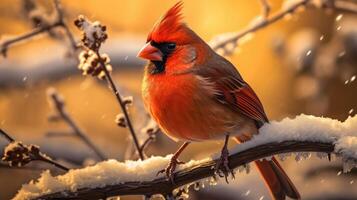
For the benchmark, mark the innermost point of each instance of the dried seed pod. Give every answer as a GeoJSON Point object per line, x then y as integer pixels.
{"type": "Point", "coordinates": [94, 33]}
{"type": "Point", "coordinates": [18, 154]}
{"type": "Point", "coordinates": [128, 100]}
{"type": "Point", "coordinates": [120, 120]}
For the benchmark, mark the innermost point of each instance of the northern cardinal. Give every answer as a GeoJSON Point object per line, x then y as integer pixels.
{"type": "Point", "coordinates": [194, 94]}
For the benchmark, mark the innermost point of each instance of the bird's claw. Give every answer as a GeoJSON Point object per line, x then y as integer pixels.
{"type": "Point", "coordinates": [170, 169]}
{"type": "Point", "coordinates": [222, 165]}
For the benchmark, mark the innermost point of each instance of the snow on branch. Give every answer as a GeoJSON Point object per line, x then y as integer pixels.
{"type": "Point", "coordinates": [112, 178]}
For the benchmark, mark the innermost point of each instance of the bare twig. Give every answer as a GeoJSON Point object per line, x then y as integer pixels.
{"type": "Point", "coordinates": [54, 163]}
{"type": "Point", "coordinates": [64, 25]}
{"type": "Point", "coordinates": [265, 8]}
{"type": "Point", "coordinates": [122, 105]}
{"type": "Point", "coordinates": [151, 130]}
{"type": "Point", "coordinates": [20, 154]}
{"type": "Point", "coordinates": [233, 39]}
{"type": "Point", "coordinates": [221, 44]}
{"type": "Point", "coordinates": [7, 136]}
{"type": "Point", "coordinates": [194, 173]}
{"type": "Point", "coordinates": [59, 106]}
{"type": "Point", "coordinates": [59, 22]}
{"type": "Point", "coordinates": [7, 43]}
{"type": "Point", "coordinates": [345, 6]}
{"type": "Point", "coordinates": [147, 142]}
{"type": "Point", "coordinates": [96, 64]}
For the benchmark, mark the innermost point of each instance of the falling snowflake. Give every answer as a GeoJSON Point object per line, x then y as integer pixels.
{"type": "Point", "coordinates": [339, 17]}
{"type": "Point", "coordinates": [351, 111]}
{"type": "Point", "coordinates": [308, 53]}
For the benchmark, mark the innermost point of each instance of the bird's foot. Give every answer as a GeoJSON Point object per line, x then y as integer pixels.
{"type": "Point", "coordinates": [222, 165]}
{"type": "Point", "coordinates": [170, 169]}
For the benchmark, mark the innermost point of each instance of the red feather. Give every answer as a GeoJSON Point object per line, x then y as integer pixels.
{"type": "Point", "coordinates": [249, 104]}
{"type": "Point", "coordinates": [232, 90]}
{"type": "Point", "coordinates": [170, 27]}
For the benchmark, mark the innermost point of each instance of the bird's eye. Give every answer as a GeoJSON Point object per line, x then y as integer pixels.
{"type": "Point", "coordinates": [171, 46]}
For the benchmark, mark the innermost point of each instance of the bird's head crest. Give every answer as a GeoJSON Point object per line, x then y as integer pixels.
{"type": "Point", "coordinates": [170, 27]}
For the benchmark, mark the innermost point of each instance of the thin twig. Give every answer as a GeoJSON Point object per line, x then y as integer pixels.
{"type": "Point", "coordinates": [59, 105]}
{"type": "Point", "coordinates": [7, 43]}
{"type": "Point", "coordinates": [191, 174]}
{"type": "Point", "coordinates": [60, 13]}
{"type": "Point", "coordinates": [7, 136]}
{"type": "Point", "coordinates": [59, 22]}
{"type": "Point", "coordinates": [345, 6]}
{"type": "Point", "coordinates": [147, 142]}
{"type": "Point", "coordinates": [342, 6]}
{"type": "Point", "coordinates": [261, 24]}
{"type": "Point", "coordinates": [95, 64]}
{"type": "Point", "coordinates": [151, 129]}
{"type": "Point", "coordinates": [266, 8]}
{"type": "Point", "coordinates": [22, 154]}
{"type": "Point", "coordinates": [52, 162]}
{"type": "Point", "coordinates": [121, 103]}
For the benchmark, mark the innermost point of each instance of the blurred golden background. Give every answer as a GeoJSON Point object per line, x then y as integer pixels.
{"type": "Point", "coordinates": [288, 80]}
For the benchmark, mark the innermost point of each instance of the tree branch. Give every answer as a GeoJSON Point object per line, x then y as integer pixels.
{"type": "Point", "coordinates": [193, 173]}
{"type": "Point", "coordinates": [233, 39]}
{"type": "Point", "coordinates": [20, 154]}
{"type": "Point", "coordinates": [58, 22]}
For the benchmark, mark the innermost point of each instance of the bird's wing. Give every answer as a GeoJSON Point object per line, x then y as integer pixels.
{"type": "Point", "coordinates": [231, 90]}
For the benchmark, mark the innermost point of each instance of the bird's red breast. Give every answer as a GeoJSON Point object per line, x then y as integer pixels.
{"type": "Point", "coordinates": [186, 105]}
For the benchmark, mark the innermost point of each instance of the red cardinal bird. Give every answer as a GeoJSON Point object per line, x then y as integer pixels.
{"type": "Point", "coordinates": [194, 94]}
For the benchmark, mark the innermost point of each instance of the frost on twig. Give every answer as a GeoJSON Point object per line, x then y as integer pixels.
{"type": "Point", "coordinates": [94, 33]}
{"type": "Point", "coordinates": [96, 64]}
{"type": "Point", "coordinates": [93, 36]}
{"type": "Point", "coordinates": [18, 154]}
{"type": "Point", "coordinates": [111, 178]}
{"type": "Point", "coordinates": [347, 148]}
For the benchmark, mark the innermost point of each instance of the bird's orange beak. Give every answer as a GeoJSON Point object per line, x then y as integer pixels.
{"type": "Point", "coordinates": [150, 53]}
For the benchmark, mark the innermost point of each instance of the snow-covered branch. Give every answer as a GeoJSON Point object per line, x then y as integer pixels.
{"type": "Point", "coordinates": [112, 178]}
